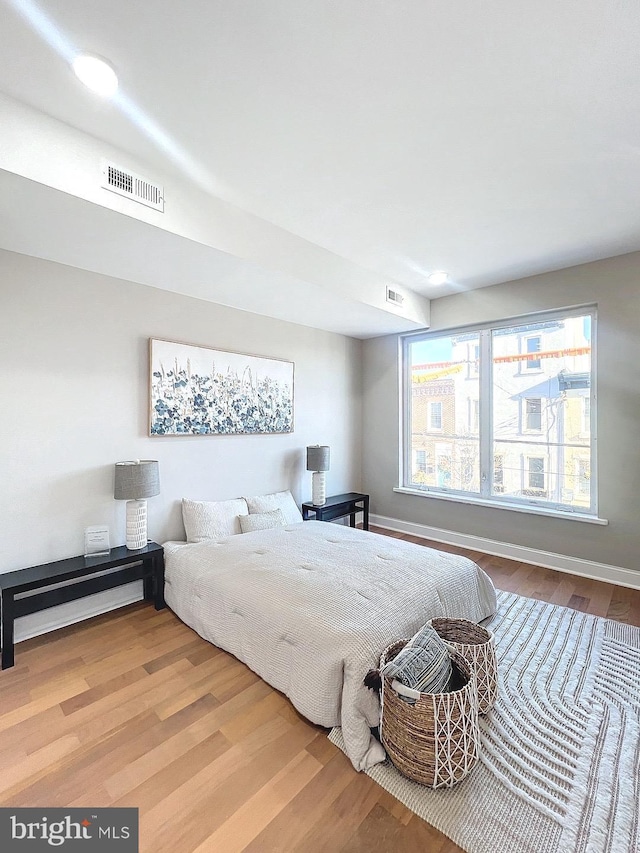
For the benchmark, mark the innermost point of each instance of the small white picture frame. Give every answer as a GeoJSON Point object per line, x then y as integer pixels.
{"type": "Point", "coordinates": [96, 541]}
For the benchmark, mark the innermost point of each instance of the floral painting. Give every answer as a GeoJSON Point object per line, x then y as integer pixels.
{"type": "Point", "coordinates": [202, 391]}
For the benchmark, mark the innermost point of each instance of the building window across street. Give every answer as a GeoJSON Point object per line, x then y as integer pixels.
{"type": "Point", "coordinates": [533, 419]}
{"type": "Point", "coordinates": [535, 473]}
{"type": "Point", "coordinates": [435, 416]}
{"type": "Point", "coordinates": [505, 411]}
{"type": "Point", "coordinates": [532, 345]}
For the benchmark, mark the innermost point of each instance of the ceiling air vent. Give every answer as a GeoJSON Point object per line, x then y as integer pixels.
{"type": "Point", "coordinates": [128, 184]}
{"type": "Point", "coordinates": [394, 296]}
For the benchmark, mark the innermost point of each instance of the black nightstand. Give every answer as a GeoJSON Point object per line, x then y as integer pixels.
{"type": "Point", "coordinates": [337, 506]}
{"type": "Point", "coordinates": [145, 563]}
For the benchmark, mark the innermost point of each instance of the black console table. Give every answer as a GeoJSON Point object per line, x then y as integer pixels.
{"type": "Point", "coordinates": [146, 564]}
{"type": "Point", "coordinates": [339, 506]}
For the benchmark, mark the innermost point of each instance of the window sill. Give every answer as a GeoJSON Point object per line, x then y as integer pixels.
{"type": "Point", "coordinates": [529, 510]}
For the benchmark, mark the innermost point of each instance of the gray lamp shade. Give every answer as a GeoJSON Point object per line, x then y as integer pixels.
{"type": "Point", "coordinates": [136, 480]}
{"type": "Point", "coordinates": [318, 457]}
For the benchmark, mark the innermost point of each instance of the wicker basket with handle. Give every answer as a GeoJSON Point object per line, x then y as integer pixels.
{"type": "Point", "coordinates": [436, 740]}
{"type": "Point", "coordinates": [477, 647]}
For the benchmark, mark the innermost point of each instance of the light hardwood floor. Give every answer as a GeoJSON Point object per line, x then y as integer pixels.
{"type": "Point", "coordinates": [133, 709]}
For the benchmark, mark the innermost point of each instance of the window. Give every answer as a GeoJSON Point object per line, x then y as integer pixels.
{"type": "Point", "coordinates": [533, 417]}
{"type": "Point", "coordinates": [435, 415]}
{"type": "Point", "coordinates": [532, 345]}
{"type": "Point", "coordinates": [518, 431]}
{"type": "Point", "coordinates": [423, 467]}
{"type": "Point", "coordinates": [535, 473]}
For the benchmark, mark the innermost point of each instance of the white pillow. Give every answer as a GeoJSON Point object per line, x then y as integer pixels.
{"type": "Point", "coordinates": [212, 519]}
{"type": "Point", "coordinates": [262, 521]}
{"type": "Point", "coordinates": [277, 500]}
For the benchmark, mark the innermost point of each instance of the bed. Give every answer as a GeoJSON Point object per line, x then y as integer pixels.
{"type": "Point", "coordinates": [310, 606]}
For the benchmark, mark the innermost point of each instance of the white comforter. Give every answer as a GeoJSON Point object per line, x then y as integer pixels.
{"type": "Point", "coordinates": [311, 606]}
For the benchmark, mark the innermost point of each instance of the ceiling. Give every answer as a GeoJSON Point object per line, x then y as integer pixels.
{"type": "Point", "coordinates": [493, 140]}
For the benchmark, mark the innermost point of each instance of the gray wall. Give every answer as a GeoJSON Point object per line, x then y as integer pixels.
{"type": "Point", "coordinates": [614, 285]}
{"type": "Point", "coordinates": [74, 400]}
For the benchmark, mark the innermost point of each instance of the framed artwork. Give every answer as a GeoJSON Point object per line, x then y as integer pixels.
{"type": "Point", "coordinates": [201, 391]}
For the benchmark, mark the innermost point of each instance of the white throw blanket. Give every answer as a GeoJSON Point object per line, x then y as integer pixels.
{"type": "Point", "coordinates": [311, 606]}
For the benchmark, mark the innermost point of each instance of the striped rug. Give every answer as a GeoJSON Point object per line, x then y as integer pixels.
{"type": "Point", "coordinates": [560, 758]}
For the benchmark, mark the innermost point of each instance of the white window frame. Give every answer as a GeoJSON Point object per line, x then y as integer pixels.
{"type": "Point", "coordinates": [485, 496]}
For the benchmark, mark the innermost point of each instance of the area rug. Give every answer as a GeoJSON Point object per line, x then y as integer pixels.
{"type": "Point", "coordinates": [560, 754]}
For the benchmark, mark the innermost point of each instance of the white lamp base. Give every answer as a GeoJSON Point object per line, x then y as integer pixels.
{"type": "Point", "coordinates": [136, 525]}
{"type": "Point", "coordinates": [318, 488]}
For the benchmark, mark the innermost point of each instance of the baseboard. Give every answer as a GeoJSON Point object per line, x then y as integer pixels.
{"type": "Point", "coordinates": [36, 624]}
{"type": "Point", "coordinates": [560, 562]}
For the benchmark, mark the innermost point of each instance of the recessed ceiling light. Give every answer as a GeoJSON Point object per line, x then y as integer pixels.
{"type": "Point", "coordinates": [96, 74]}
{"type": "Point", "coordinates": [438, 277]}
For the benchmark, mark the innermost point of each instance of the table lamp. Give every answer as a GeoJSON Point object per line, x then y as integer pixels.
{"type": "Point", "coordinates": [318, 462]}
{"type": "Point", "coordinates": [134, 483]}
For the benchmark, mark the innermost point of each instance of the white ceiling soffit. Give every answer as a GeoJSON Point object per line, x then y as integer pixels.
{"type": "Point", "coordinates": [46, 223]}
{"type": "Point", "coordinates": [494, 140]}
{"type": "Point", "coordinates": [227, 255]}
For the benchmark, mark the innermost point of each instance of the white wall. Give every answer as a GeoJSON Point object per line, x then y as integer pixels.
{"type": "Point", "coordinates": [74, 400]}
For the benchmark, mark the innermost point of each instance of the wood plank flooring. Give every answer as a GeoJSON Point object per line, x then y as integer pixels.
{"type": "Point", "coordinates": [133, 709]}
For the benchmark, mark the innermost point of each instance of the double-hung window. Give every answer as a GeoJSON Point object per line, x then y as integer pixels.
{"type": "Point", "coordinates": [435, 416]}
{"type": "Point", "coordinates": [535, 475]}
{"type": "Point", "coordinates": [533, 419]}
{"type": "Point", "coordinates": [506, 411]}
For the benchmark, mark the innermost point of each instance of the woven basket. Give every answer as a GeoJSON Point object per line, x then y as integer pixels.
{"type": "Point", "coordinates": [436, 741]}
{"type": "Point", "coordinates": [476, 645]}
